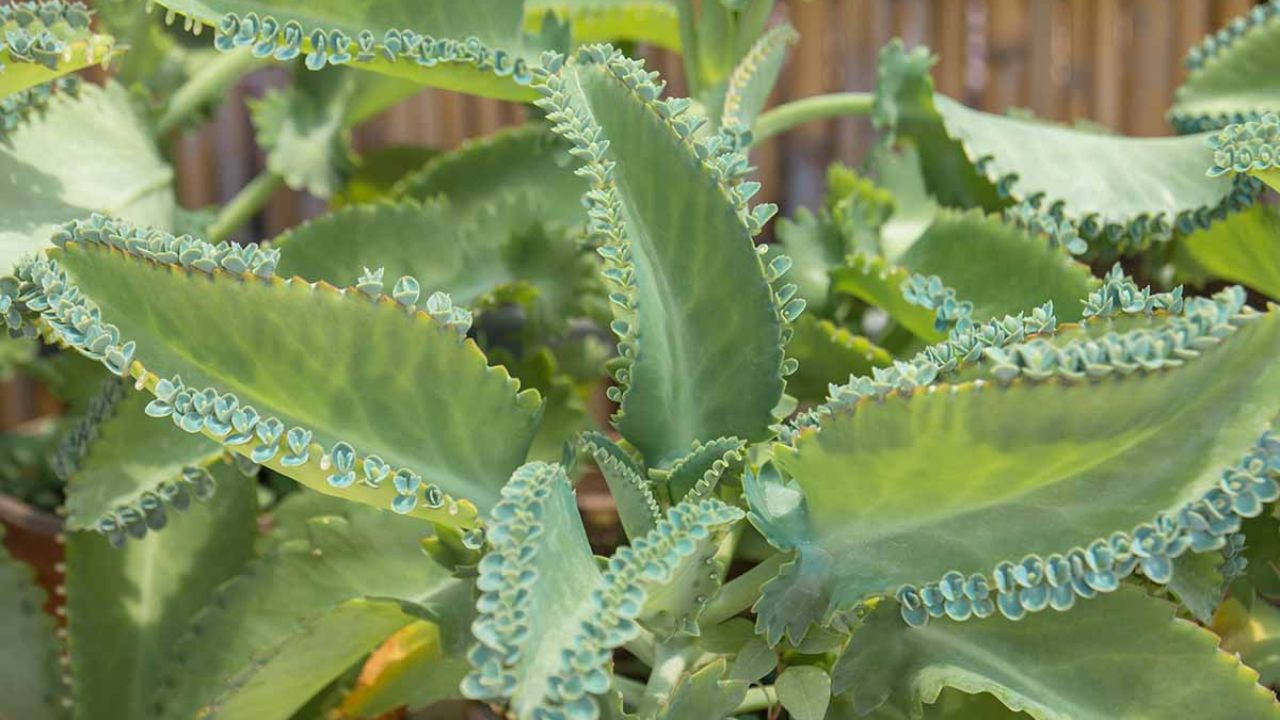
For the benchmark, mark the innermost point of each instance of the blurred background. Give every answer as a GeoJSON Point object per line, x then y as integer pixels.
{"type": "Point", "coordinates": [1115, 62]}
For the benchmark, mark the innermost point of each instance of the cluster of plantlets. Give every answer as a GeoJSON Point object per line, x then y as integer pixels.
{"type": "Point", "coordinates": [990, 433]}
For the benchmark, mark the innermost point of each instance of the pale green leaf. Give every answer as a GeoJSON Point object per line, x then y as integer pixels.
{"type": "Point", "coordinates": [706, 694]}
{"type": "Point", "coordinates": [755, 75]}
{"type": "Point", "coordinates": [1233, 75]}
{"type": "Point", "coordinates": [410, 669]}
{"type": "Point", "coordinates": [591, 21]}
{"type": "Point", "coordinates": [1123, 655]}
{"type": "Point", "coordinates": [805, 691]}
{"type": "Point", "coordinates": [42, 46]}
{"type": "Point", "coordinates": [1244, 248]}
{"type": "Point", "coordinates": [1253, 633]}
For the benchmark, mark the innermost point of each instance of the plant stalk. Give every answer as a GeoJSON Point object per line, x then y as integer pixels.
{"type": "Point", "coordinates": [244, 205]}
{"type": "Point", "coordinates": [741, 592]}
{"type": "Point", "coordinates": [671, 662]}
{"type": "Point", "coordinates": [785, 117]}
{"type": "Point", "coordinates": [632, 690]}
{"type": "Point", "coordinates": [210, 81]}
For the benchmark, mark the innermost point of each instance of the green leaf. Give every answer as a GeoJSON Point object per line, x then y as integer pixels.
{"type": "Point", "coordinates": [591, 21]}
{"type": "Point", "coordinates": [1244, 248]}
{"type": "Point", "coordinates": [410, 669]}
{"type": "Point", "coordinates": [1253, 634]}
{"type": "Point", "coordinates": [527, 160]}
{"type": "Point", "coordinates": [873, 280]}
{"type": "Point", "coordinates": [555, 653]}
{"type": "Point", "coordinates": [950, 705]}
{"type": "Point", "coordinates": [469, 256]}
{"type": "Point", "coordinates": [998, 267]}
{"type": "Point", "coordinates": [126, 470]}
{"type": "Point", "coordinates": [1198, 584]}
{"type": "Point", "coordinates": [310, 607]}
{"type": "Point", "coordinates": [815, 247]}
{"type": "Point", "coordinates": [702, 354]}
{"type": "Point", "coordinates": [1034, 471]}
{"type": "Point", "coordinates": [696, 473]}
{"type": "Point", "coordinates": [127, 607]}
{"type": "Point", "coordinates": [1124, 189]}
{"type": "Point", "coordinates": [30, 680]}
{"type": "Point", "coordinates": [805, 691]}
{"type": "Point", "coordinates": [476, 48]}
{"type": "Point", "coordinates": [1261, 552]}
{"type": "Point", "coordinates": [1233, 74]}
{"type": "Point", "coordinates": [754, 77]}
{"type": "Point", "coordinates": [1128, 657]}
{"type": "Point", "coordinates": [705, 694]}
{"type": "Point", "coordinates": [45, 42]}
{"type": "Point", "coordinates": [415, 393]}
{"type": "Point", "coordinates": [79, 155]}
{"type": "Point", "coordinates": [753, 661]}
{"type": "Point", "coordinates": [638, 509]}
{"type": "Point", "coordinates": [377, 172]}
{"type": "Point", "coordinates": [829, 354]}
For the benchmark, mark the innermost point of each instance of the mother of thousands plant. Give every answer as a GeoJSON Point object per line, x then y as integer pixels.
{"type": "Point", "coordinates": [935, 452]}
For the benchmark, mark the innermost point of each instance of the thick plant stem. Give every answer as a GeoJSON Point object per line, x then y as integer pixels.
{"type": "Point", "coordinates": [785, 117]}
{"type": "Point", "coordinates": [689, 46]}
{"type": "Point", "coordinates": [757, 699]}
{"type": "Point", "coordinates": [210, 81]}
{"type": "Point", "coordinates": [671, 662]}
{"type": "Point", "coordinates": [244, 205]}
{"type": "Point", "coordinates": [740, 593]}
{"type": "Point", "coordinates": [632, 690]}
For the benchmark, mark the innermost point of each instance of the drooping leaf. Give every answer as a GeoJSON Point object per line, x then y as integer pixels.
{"type": "Point", "coordinates": [1128, 190]}
{"type": "Point", "coordinates": [593, 21]}
{"type": "Point", "coordinates": [410, 669]}
{"type": "Point", "coordinates": [303, 613]}
{"type": "Point", "coordinates": [81, 154]}
{"type": "Point", "coordinates": [30, 680]}
{"type": "Point", "coordinates": [1025, 494]}
{"type": "Point", "coordinates": [420, 422]}
{"type": "Point", "coordinates": [126, 607]}
{"type": "Point", "coordinates": [1244, 248]}
{"type": "Point", "coordinates": [40, 42]}
{"type": "Point", "coordinates": [702, 354]}
{"type": "Point", "coordinates": [1232, 74]}
{"type": "Point", "coordinates": [829, 354]}
{"type": "Point", "coordinates": [127, 472]}
{"type": "Point", "coordinates": [548, 617]}
{"type": "Point", "coordinates": [469, 256]}
{"type": "Point", "coordinates": [464, 46]}
{"type": "Point", "coordinates": [1124, 655]}
{"type": "Point", "coordinates": [525, 161]}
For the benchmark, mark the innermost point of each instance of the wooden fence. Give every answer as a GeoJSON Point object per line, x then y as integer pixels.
{"type": "Point", "coordinates": [1113, 61]}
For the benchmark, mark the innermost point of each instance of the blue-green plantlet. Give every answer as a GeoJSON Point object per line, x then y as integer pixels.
{"type": "Point", "coordinates": [992, 432]}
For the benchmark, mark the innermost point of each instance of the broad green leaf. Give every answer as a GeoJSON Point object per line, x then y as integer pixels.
{"type": "Point", "coordinates": [30, 679]}
{"type": "Point", "coordinates": [829, 354]}
{"type": "Point", "coordinates": [1126, 189]}
{"type": "Point", "coordinates": [1253, 633]}
{"type": "Point", "coordinates": [804, 691]}
{"type": "Point", "coordinates": [999, 268]}
{"type": "Point", "coordinates": [126, 607]}
{"type": "Point", "coordinates": [754, 77]}
{"type": "Point", "coordinates": [1198, 584]}
{"type": "Point", "coordinates": [592, 21]}
{"type": "Point", "coordinates": [1233, 74]}
{"type": "Point", "coordinates": [1125, 655]}
{"type": "Point", "coordinates": [126, 470]}
{"type": "Point", "coordinates": [410, 669]}
{"type": "Point", "coordinates": [555, 654]}
{"type": "Point", "coordinates": [1040, 467]}
{"type": "Point", "coordinates": [753, 661]}
{"type": "Point", "coordinates": [706, 694]}
{"type": "Point", "coordinates": [1244, 248]}
{"type": "Point", "coordinates": [950, 705]}
{"type": "Point", "coordinates": [377, 172]}
{"type": "Point", "coordinates": [45, 42]}
{"type": "Point", "coordinates": [415, 393]}
{"type": "Point", "coordinates": [815, 248]}
{"type": "Point", "coordinates": [469, 256]}
{"type": "Point", "coordinates": [876, 282]}
{"type": "Point", "coordinates": [79, 155]}
{"type": "Point", "coordinates": [310, 607]}
{"type": "Point", "coordinates": [476, 48]}
{"type": "Point", "coordinates": [702, 352]}
{"type": "Point", "coordinates": [522, 161]}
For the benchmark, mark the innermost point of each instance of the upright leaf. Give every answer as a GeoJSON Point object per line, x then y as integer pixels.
{"type": "Point", "coordinates": [702, 352]}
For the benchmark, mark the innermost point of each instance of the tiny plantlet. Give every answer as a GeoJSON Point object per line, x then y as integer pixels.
{"type": "Point", "coordinates": [993, 431]}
